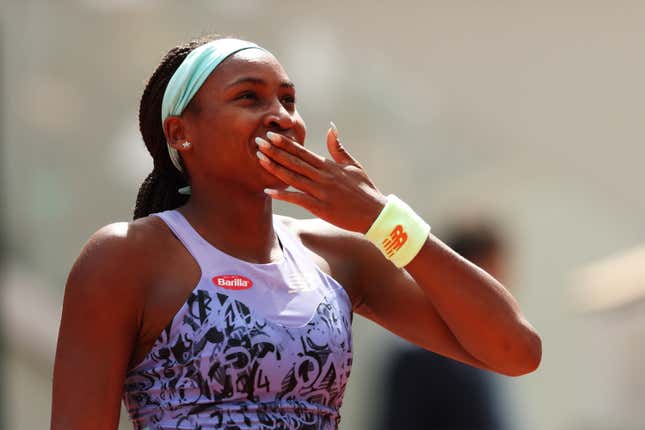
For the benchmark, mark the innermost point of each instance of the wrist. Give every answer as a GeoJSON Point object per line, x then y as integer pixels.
{"type": "Point", "coordinates": [398, 232]}
{"type": "Point", "coordinates": [371, 215]}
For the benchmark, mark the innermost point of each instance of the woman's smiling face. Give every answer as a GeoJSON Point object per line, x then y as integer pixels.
{"type": "Point", "coordinates": [246, 96]}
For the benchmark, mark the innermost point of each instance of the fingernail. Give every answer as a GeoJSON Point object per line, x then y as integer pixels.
{"type": "Point", "coordinates": [273, 136]}
{"type": "Point", "coordinates": [333, 127]}
{"type": "Point", "coordinates": [262, 143]}
{"type": "Point", "coordinates": [260, 155]}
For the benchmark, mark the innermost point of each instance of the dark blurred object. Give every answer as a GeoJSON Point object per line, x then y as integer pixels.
{"type": "Point", "coordinates": [480, 241]}
{"type": "Point", "coordinates": [424, 390]}
{"type": "Point", "coordinates": [427, 391]}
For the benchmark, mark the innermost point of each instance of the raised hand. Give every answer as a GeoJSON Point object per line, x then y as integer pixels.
{"type": "Point", "coordinates": [337, 191]}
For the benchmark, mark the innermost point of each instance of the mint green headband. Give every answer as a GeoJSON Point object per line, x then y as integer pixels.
{"type": "Point", "coordinates": [192, 74]}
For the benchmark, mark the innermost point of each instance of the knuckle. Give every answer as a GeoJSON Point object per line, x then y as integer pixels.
{"type": "Point", "coordinates": [298, 152]}
{"type": "Point", "coordinates": [292, 175]}
{"type": "Point", "coordinates": [327, 162]}
{"type": "Point", "coordinates": [350, 168]}
{"type": "Point", "coordinates": [319, 161]}
{"type": "Point", "coordinates": [326, 177]}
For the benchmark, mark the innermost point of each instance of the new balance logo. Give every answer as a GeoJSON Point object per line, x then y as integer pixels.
{"type": "Point", "coordinates": [395, 240]}
{"type": "Point", "coordinates": [233, 282]}
{"type": "Point", "coordinates": [301, 282]}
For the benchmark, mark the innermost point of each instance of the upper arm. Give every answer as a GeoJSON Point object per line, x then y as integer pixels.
{"type": "Point", "coordinates": [98, 328]}
{"type": "Point", "coordinates": [390, 297]}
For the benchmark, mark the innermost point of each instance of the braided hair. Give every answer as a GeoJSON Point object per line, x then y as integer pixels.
{"type": "Point", "coordinates": [159, 190]}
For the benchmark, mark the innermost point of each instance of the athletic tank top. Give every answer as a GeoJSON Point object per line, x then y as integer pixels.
{"type": "Point", "coordinates": [255, 346]}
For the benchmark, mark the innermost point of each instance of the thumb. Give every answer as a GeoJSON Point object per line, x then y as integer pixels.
{"type": "Point", "coordinates": [336, 148]}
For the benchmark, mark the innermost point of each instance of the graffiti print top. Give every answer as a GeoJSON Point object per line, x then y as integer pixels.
{"type": "Point", "coordinates": [254, 346]}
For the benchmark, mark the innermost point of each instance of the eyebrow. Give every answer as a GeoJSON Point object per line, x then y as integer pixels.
{"type": "Point", "coordinates": [258, 81]}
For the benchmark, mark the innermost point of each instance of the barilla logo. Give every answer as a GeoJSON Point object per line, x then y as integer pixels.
{"type": "Point", "coordinates": [395, 240]}
{"type": "Point", "coordinates": [233, 282]}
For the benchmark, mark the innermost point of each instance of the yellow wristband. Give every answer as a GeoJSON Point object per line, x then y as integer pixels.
{"type": "Point", "coordinates": [398, 232]}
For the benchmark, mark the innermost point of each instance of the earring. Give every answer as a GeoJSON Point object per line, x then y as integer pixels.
{"type": "Point", "coordinates": [186, 144]}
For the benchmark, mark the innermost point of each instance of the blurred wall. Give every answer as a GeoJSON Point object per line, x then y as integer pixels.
{"type": "Point", "coordinates": [3, 240]}
{"type": "Point", "coordinates": [531, 111]}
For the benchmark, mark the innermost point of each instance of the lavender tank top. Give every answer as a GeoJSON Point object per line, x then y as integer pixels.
{"type": "Point", "coordinates": [254, 346]}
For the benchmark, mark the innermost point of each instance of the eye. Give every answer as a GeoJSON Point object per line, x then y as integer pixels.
{"type": "Point", "coordinates": [248, 95]}
{"type": "Point", "coordinates": [289, 99]}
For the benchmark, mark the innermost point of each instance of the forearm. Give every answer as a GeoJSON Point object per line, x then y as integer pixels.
{"type": "Point", "coordinates": [480, 312]}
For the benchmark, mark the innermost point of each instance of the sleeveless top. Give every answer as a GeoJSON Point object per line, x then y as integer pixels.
{"type": "Point", "coordinates": [254, 346]}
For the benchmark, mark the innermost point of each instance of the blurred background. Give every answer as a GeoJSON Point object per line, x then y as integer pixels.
{"type": "Point", "coordinates": [530, 113]}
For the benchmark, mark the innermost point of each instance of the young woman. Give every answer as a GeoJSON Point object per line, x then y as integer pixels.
{"type": "Point", "coordinates": [208, 311]}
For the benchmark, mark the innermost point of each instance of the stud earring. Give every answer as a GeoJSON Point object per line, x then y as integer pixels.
{"type": "Point", "coordinates": [186, 144]}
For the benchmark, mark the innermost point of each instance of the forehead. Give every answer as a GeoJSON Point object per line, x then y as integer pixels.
{"type": "Point", "coordinates": [248, 62]}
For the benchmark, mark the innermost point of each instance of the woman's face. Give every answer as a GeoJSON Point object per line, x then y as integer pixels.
{"type": "Point", "coordinates": [246, 96]}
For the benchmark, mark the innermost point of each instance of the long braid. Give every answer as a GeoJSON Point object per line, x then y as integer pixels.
{"type": "Point", "coordinates": [159, 190]}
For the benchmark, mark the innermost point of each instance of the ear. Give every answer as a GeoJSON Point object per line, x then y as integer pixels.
{"type": "Point", "coordinates": [175, 132]}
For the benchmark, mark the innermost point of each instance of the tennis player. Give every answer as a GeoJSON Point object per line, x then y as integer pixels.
{"type": "Point", "coordinates": [209, 311]}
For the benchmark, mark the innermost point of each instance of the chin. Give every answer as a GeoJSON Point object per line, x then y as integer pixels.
{"type": "Point", "coordinates": [273, 182]}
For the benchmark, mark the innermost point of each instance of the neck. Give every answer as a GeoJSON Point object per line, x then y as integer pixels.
{"type": "Point", "coordinates": [235, 221]}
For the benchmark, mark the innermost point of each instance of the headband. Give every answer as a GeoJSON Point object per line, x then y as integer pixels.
{"type": "Point", "coordinates": [192, 74]}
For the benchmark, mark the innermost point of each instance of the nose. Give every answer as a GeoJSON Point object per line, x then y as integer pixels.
{"type": "Point", "coordinates": [278, 117]}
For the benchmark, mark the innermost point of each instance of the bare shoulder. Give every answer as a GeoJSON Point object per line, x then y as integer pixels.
{"type": "Point", "coordinates": [126, 234]}
{"type": "Point", "coordinates": [127, 242]}
{"type": "Point", "coordinates": [340, 249]}
{"type": "Point", "coordinates": [101, 316]}
{"type": "Point", "coordinates": [118, 256]}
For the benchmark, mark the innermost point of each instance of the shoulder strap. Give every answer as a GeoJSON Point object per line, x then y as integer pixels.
{"type": "Point", "coordinates": [202, 251]}
{"type": "Point", "coordinates": [293, 245]}
{"type": "Point", "coordinates": [186, 234]}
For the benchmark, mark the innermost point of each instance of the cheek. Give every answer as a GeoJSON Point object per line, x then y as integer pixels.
{"type": "Point", "coordinates": [225, 129]}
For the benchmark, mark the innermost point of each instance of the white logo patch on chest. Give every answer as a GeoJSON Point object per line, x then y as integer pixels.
{"type": "Point", "coordinates": [300, 282]}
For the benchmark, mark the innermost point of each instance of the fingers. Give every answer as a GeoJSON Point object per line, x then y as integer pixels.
{"type": "Point", "coordinates": [297, 198]}
{"type": "Point", "coordinates": [295, 148]}
{"type": "Point", "coordinates": [305, 170]}
{"type": "Point", "coordinates": [288, 176]}
{"type": "Point", "coordinates": [283, 156]}
{"type": "Point", "coordinates": [336, 148]}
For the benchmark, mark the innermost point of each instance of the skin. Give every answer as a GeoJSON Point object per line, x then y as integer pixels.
{"type": "Point", "coordinates": [131, 278]}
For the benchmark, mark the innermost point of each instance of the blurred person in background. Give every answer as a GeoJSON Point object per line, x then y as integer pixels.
{"type": "Point", "coordinates": [428, 391]}
{"type": "Point", "coordinates": [210, 311]}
